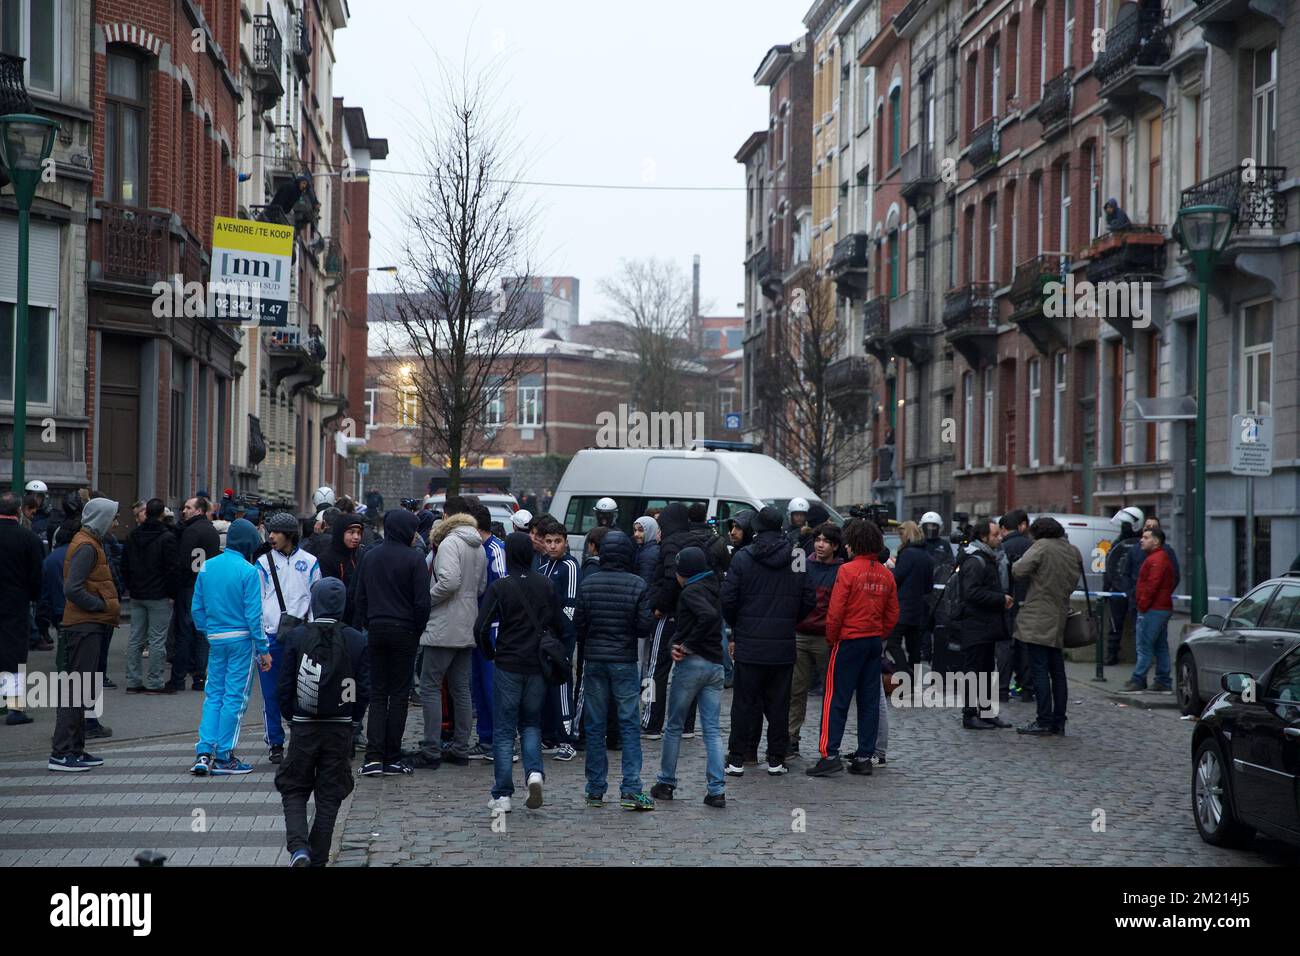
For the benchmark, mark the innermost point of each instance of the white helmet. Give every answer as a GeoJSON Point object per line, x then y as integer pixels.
{"type": "Point", "coordinates": [798, 504]}
{"type": "Point", "coordinates": [931, 517]}
{"type": "Point", "coordinates": [521, 518]}
{"type": "Point", "coordinates": [38, 486]}
{"type": "Point", "coordinates": [1130, 516]}
{"type": "Point", "coordinates": [607, 504]}
{"type": "Point", "coordinates": [323, 498]}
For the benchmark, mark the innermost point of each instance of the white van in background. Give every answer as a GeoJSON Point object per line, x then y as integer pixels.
{"type": "Point", "coordinates": [639, 479]}
{"type": "Point", "coordinates": [1092, 535]}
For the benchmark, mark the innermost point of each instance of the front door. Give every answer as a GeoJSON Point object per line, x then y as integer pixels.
{"type": "Point", "coordinates": [119, 422]}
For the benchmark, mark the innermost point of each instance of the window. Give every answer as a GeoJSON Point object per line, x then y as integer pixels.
{"type": "Point", "coordinates": [408, 406]}
{"type": "Point", "coordinates": [954, 93]}
{"type": "Point", "coordinates": [895, 126]}
{"type": "Point", "coordinates": [991, 214]}
{"type": "Point", "coordinates": [1040, 27]}
{"type": "Point", "coordinates": [736, 337]}
{"type": "Point", "coordinates": [372, 403]}
{"type": "Point", "coordinates": [952, 243]}
{"type": "Point", "coordinates": [42, 310]}
{"type": "Point", "coordinates": [712, 339]}
{"type": "Point", "coordinates": [995, 66]}
{"type": "Point", "coordinates": [1250, 609]}
{"type": "Point", "coordinates": [1038, 207]}
{"type": "Point", "coordinates": [1257, 359]}
{"type": "Point", "coordinates": [1284, 683]}
{"type": "Point", "coordinates": [1063, 173]}
{"type": "Point", "coordinates": [1013, 59]}
{"type": "Point", "coordinates": [726, 402]}
{"type": "Point", "coordinates": [1097, 23]}
{"type": "Point", "coordinates": [1015, 225]}
{"type": "Point", "coordinates": [1282, 613]}
{"type": "Point", "coordinates": [126, 131]}
{"type": "Point", "coordinates": [1199, 120]}
{"type": "Point", "coordinates": [1264, 112]}
{"type": "Point", "coordinates": [989, 425]}
{"type": "Point", "coordinates": [1059, 366]}
{"type": "Point", "coordinates": [1094, 193]}
{"type": "Point", "coordinates": [1067, 39]}
{"type": "Point", "coordinates": [1154, 205]}
{"type": "Point", "coordinates": [30, 29]}
{"type": "Point", "coordinates": [893, 264]}
{"type": "Point", "coordinates": [968, 421]}
{"type": "Point", "coordinates": [1035, 393]}
{"type": "Point", "coordinates": [530, 401]}
{"type": "Point", "coordinates": [494, 412]}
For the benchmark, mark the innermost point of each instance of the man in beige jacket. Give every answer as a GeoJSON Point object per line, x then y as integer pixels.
{"type": "Point", "coordinates": [459, 576]}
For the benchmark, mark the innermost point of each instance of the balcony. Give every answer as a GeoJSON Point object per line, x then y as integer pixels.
{"type": "Point", "coordinates": [848, 265]}
{"type": "Point", "coordinates": [135, 244]}
{"type": "Point", "coordinates": [297, 360]}
{"type": "Point", "coordinates": [982, 153]}
{"type": "Point", "coordinates": [875, 326]}
{"type": "Point", "coordinates": [1222, 20]}
{"type": "Point", "coordinates": [1028, 297]}
{"type": "Point", "coordinates": [300, 44]}
{"type": "Point", "coordinates": [268, 60]}
{"type": "Point", "coordinates": [269, 213]}
{"type": "Point", "coordinates": [910, 333]}
{"type": "Point", "coordinates": [1131, 69]}
{"type": "Point", "coordinates": [1254, 249]}
{"type": "Point", "coordinates": [767, 268]}
{"type": "Point", "coordinates": [848, 387]}
{"type": "Point", "coordinates": [1135, 253]}
{"type": "Point", "coordinates": [970, 322]}
{"type": "Point", "coordinates": [194, 261]}
{"type": "Point", "coordinates": [1055, 107]}
{"type": "Point", "coordinates": [919, 177]}
{"type": "Point", "coordinates": [285, 160]}
{"type": "Point", "coordinates": [13, 90]}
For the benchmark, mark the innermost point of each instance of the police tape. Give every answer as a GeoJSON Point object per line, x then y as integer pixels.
{"type": "Point", "coordinates": [1124, 594]}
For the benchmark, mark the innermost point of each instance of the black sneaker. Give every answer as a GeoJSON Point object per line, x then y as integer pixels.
{"type": "Point", "coordinates": [372, 769]}
{"type": "Point", "coordinates": [276, 753]}
{"type": "Point", "coordinates": [1036, 729]}
{"type": "Point", "coordinates": [826, 766]}
{"type": "Point", "coordinates": [456, 760]}
{"type": "Point", "coordinates": [718, 800]}
{"type": "Point", "coordinates": [998, 722]}
{"type": "Point", "coordinates": [425, 761]}
{"type": "Point", "coordinates": [662, 791]}
{"type": "Point", "coordinates": [860, 766]}
{"type": "Point", "coordinates": [90, 760]}
{"type": "Point", "coordinates": [199, 685]}
{"type": "Point", "coordinates": [98, 732]}
{"type": "Point", "coordinates": [396, 769]}
{"type": "Point", "coordinates": [109, 685]}
{"type": "Point", "coordinates": [977, 723]}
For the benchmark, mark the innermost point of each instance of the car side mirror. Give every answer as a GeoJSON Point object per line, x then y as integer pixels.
{"type": "Point", "coordinates": [1215, 621]}
{"type": "Point", "coordinates": [1238, 684]}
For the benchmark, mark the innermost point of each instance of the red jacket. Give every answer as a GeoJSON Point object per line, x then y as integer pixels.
{"type": "Point", "coordinates": [864, 602]}
{"type": "Point", "coordinates": [1155, 587]}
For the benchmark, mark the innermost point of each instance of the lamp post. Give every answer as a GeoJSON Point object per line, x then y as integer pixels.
{"type": "Point", "coordinates": [25, 144]}
{"type": "Point", "coordinates": [1203, 232]}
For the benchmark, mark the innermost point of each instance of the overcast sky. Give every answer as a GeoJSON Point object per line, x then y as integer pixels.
{"type": "Point", "coordinates": [611, 93]}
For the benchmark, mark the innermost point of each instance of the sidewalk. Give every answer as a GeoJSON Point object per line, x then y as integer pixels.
{"type": "Point", "coordinates": [1084, 673]}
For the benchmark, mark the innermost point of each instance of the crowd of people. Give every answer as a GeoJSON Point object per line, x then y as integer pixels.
{"type": "Point", "coordinates": [517, 650]}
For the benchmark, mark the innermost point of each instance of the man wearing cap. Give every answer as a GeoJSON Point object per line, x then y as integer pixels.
{"type": "Point", "coordinates": [287, 574]}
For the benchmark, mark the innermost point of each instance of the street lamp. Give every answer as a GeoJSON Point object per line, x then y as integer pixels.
{"type": "Point", "coordinates": [25, 145]}
{"type": "Point", "coordinates": [389, 269]}
{"type": "Point", "coordinates": [1203, 232]}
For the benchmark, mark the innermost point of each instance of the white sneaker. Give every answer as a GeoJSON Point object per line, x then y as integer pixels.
{"type": "Point", "coordinates": [778, 769]}
{"type": "Point", "coordinates": [689, 735]}
{"type": "Point", "coordinates": [534, 791]}
{"type": "Point", "coordinates": [499, 805]}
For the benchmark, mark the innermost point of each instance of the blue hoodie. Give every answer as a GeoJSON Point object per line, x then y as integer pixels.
{"type": "Point", "coordinates": [227, 602]}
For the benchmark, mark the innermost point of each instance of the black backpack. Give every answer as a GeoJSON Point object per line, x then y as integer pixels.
{"type": "Point", "coordinates": [326, 687]}
{"type": "Point", "coordinates": [951, 608]}
{"type": "Point", "coordinates": [557, 667]}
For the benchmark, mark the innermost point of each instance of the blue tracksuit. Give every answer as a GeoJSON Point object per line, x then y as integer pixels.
{"type": "Point", "coordinates": [481, 667]}
{"type": "Point", "coordinates": [227, 607]}
{"type": "Point", "coordinates": [558, 716]}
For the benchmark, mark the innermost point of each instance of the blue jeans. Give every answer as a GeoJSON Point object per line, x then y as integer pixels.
{"type": "Point", "coordinates": [1152, 641]}
{"type": "Point", "coordinates": [225, 697]}
{"type": "Point", "coordinates": [728, 665]}
{"type": "Point", "coordinates": [695, 680]}
{"type": "Point", "coordinates": [270, 681]}
{"type": "Point", "coordinates": [516, 706]}
{"type": "Point", "coordinates": [600, 680]}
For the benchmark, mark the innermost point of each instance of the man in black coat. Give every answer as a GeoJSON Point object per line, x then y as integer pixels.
{"type": "Point", "coordinates": [611, 616]}
{"type": "Point", "coordinates": [1013, 655]}
{"type": "Point", "coordinates": [198, 542]}
{"type": "Point", "coordinates": [763, 597]}
{"type": "Point", "coordinates": [986, 599]}
{"type": "Point", "coordinates": [674, 534]}
{"type": "Point", "coordinates": [21, 556]}
{"type": "Point", "coordinates": [148, 564]}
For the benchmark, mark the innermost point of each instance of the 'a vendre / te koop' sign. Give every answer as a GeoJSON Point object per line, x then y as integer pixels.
{"type": "Point", "coordinates": [251, 265]}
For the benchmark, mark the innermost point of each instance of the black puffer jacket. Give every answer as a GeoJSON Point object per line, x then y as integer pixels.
{"type": "Point", "coordinates": [613, 608]}
{"type": "Point", "coordinates": [984, 610]}
{"type": "Point", "coordinates": [647, 560]}
{"type": "Point", "coordinates": [149, 560]}
{"type": "Point", "coordinates": [763, 598]}
{"type": "Point", "coordinates": [914, 577]}
{"type": "Point", "coordinates": [674, 534]}
{"type": "Point", "coordinates": [196, 534]}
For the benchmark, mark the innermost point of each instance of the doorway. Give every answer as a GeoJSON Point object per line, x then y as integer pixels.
{"type": "Point", "coordinates": [119, 422]}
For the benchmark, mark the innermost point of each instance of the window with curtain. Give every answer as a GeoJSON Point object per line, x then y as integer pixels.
{"type": "Point", "coordinates": [30, 29]}
{"type": "Point", "coordinates": [494, 413]}
{"type": "Point", "coordinates": [1257, 359]}
{"type": "Point", "coordinates": [42, 310]}
{"type": "Point", "coordinates": [408, 406]}
{"type": "Point", "coordinates": [990, 427]}
{"type": "Point", "coordinates": [895, 126]}
{"type": "Point", "coordinates": [529, 399]}
{"type": "Point", "coordinates": [1264, 112]}
{"type": "Point", "coordinates": [1035, 394]}
{"type": "Point", "coordinates": [1067, 35]}
{"type": "Point", "coordinates": [968, 420]}
{"type": "Point", "coordinates": [991, 217]}
{"type": "Point", "coordinates": [1059, 366]}
{"type": "Point", "coordinates": [126, 131]}
{"type": "Point", "coordinates": [893, 264]}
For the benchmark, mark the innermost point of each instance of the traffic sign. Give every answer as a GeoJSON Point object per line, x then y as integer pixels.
{"type": "Point", "coordinates": [363, 468]}
{"type": "Point", "coordinates": [1252, 446]}
{"type": "Point", "coordinates": [733, 421]}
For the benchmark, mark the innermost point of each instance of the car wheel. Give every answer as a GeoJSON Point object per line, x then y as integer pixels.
{"type": "Point", "coordinates": [1189, 694]}
{"type": "Point", "coordinates": [1212, 801]}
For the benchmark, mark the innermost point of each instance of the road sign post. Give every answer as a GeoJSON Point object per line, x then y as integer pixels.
{"type": "Point", "coordinates": [1251, 458]}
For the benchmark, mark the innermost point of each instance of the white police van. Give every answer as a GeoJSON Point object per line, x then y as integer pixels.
{"type": "Point", "coordinates": [724, 475]}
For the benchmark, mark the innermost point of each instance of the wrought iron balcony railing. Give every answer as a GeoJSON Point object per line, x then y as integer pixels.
{"type": "Point", "coordinates": [970, 308]}
{"type": "Point", "coordinates": [13, 89]}
{"type": "Point", "coordinates": [284, 149]}
{"type": "Point", "coordinates": [268, 45]}
{"type": "Point", "coordinates": [1031, 276]}
{"type": "Point", "coordinates": [875, 317]}
{"type": "Point", "coordinates": [135, 244]}
{"type": "Point", "coordinates": [1141, 39]}
{"type": "Point", "coordinates": [984, 142]}
{"type": "Point", "coordinates": [848, 376]}
{"type": "Point", "coordinates": [918, 170]}
{"type": "Point", "coordinates": [300, 43]}
{"type": "Point", "coordinates": [1127, 254]}
{"type": "Point", "coordinates": [1256, 202]}
{"type": "Point", "coordinates": [1058, 96]}
{"type": "Point", "coordinates": [850, 253]}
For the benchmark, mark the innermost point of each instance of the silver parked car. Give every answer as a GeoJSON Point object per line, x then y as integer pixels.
{"type": "Point", "coordinates": [1259, 629]}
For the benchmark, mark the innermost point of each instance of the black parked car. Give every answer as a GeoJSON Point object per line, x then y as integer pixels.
{"type": "Point", "coordinates": [1259, 629]}
{"type": "Point", "coordinates": [1246, 758]}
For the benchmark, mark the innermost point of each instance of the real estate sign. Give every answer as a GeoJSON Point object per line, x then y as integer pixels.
{"type": "Point", "coordinates": [251, 265]}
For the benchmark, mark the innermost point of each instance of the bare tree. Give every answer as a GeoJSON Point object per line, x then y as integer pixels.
{"type": "Point", "coordinates": [459, 319]}
{"type": "Point", "coordinates": [813, 421]}
{"type": "Point", "coordinates": [652, 299]}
